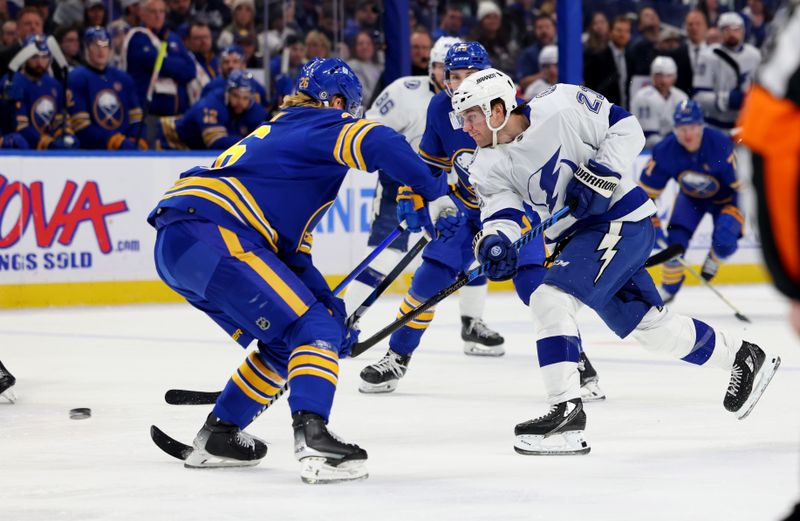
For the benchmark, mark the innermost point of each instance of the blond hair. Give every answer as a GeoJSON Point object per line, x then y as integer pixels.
{"type": "Point", "coordinates": [300, 99]}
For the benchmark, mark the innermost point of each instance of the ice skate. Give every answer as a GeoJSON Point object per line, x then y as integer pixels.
{"type": "Point", "coordinates": [559, 432]}
{"type": "Point", "coordinates": [479, 340]}
{"type": "Point", "coordinates": [590, 390]}
{"type": "Point", "coordinates": [384, 375]}
{"type": "Point", "coordinates": [7, 382]}
{"type": "Point", "coordinates": [325, 458]}
{"type": "Point", "coordinates": [710, 267]}
{"type": "Point", "coordinates": [751, 373]}
{"type": "Point", "coordinates": [222, 444]}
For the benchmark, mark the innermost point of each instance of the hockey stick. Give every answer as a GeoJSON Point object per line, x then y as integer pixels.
{"type": "Point", "coordinates": [151, 87]}
{"type": "Point", "coordinates": [738, 314]}
{"type": "Point", "coordinates": [371, 257]}
{"type": "Point", "coordinates": [189, 397]}
{"type": "Point", "coordinates": [667, 254]}
{"type": "Point", "coordinates": [461, 281]}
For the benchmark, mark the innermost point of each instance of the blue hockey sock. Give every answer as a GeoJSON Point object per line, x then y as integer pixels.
{"type": "Point", "coordinates": [705, 340]}
{"type": "Point", "coordinates": [313, 375]}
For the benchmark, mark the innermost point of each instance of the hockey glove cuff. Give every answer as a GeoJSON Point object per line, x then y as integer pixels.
{"type": "Point", "coordinates": [590, 190]}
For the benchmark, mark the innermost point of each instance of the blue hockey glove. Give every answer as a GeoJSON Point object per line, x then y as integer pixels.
{"type": "Point", "coordinates": [735, 99]}
{"type": "Point", "coordinates": [727, 230]}
{"type": "Point", "coordinates": [14, 140]}
{"type": "Point", "coordinates": [411, 209]}
{"type": "Point", "coordinates": [496, 250]}
{"type": "Point", "coordinates": [589, 191]}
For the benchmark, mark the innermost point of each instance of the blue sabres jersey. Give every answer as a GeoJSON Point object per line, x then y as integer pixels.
{"type": "Point", "coordinates": [706, 175]}
{"type": "Point", "coordinates": [209, 124]}
{"type": "Point", "coordinates": [219, 83]}
{"type": "Point", "coordinates": [276, 184]}
{"type": "Point", "coordinates": [102, 104]}
{"type": "Point", "coordinates": [39, 111]}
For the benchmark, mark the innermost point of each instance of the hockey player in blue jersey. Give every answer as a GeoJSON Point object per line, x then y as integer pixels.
{"type": "Point", "coordinates": [104, 111]}
{"type": "Point", "coordinates": [235, 240]}
{"type": "Point", "coordinates": [700, 159]}
{"type": "Point", "coordinates": [230, 59]}
{"type": "Point", "coordinates": [217, 121]}
{"type": "Point", "coordinates": [39, 103]}
{"type": "Point", "coordinates": [570, 151]}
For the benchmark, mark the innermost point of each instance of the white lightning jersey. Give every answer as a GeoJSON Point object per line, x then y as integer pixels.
{"type": "Point", "coordinates": [714, 79]}
{"type": "Point", "coordinates": [654, 112]}
{"type": "Point", "coordinates": [403, 106]}
{"type": "Point", "coordinates": [569, 126]}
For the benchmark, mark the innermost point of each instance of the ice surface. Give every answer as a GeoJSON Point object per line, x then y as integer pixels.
{"type": "Point", "coordinates": [440, 447]}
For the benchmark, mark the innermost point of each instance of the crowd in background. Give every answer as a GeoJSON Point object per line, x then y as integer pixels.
{"type": "Point", "coordinates": [208, 39]}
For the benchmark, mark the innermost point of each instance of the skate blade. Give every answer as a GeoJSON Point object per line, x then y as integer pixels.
{"type": "Point", "coordinates": [9, 395]}
{"type": "Point", "coordinates": [591, 392]}
{"type": "Point", "coordinates": [316, 471]}
{"type": "Point", "coordinates": [766, 373]}
{"type": "Point", "coordinates": [564, 444]}
{"type": "Point", "coordinates": [386, 387]}
{"type": "Point", "coordinates": [475, 349]}
{"type": "Point", "coordinates": [200, 459]}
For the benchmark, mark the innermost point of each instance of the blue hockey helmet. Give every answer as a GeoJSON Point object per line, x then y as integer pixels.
{"type": "Point", "coordinates": [240, 79]}
{"type": "Point", "coordinates": [39, 41]}
{"type": "Point", "coordinates": [688, 112]}
{"type": "Point", "coordinates": [322, 79]}
{"type": "Point", "coordinates": [96, 34]}
{"type": "Point", "coordinates": [232, 49]}
{"type": "Point", "coordinates": [467, 55]}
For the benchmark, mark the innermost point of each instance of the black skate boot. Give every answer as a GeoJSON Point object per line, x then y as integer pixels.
{"type": "Point", "coordinates": [751, 373]}
{"type": "Point", "coordinates": [7, 382]}
{"type": "Point", "coordinates": [325, 458]}
{"type": "Point", "coordinates": [590, 390]}
{"type": "Point", "coordinates": [560, 431]}
{"type": "Point", "coordinates": [479, 340]}
{"type": "Point", "coordinates": [384, 375]}
{"type": "Point", "coordinates": [223, 444]}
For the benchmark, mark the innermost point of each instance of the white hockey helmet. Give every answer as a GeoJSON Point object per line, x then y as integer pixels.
{"type": "Point", "coordinates": [663, 65]}
{"type": "Point", "coordinates": [548, 55]}
{"type": "Point", "coordinates": [479, 90]}
{"type": "Point", "coordinates": [439, 51]}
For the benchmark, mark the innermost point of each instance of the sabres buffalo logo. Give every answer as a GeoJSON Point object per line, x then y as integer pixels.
{"type": "Point", "coordinates": [697, 185]}
{"type": "Point", "coordinates": [107, 109]}
{"type": "Point", "coordinates": [42, 113]}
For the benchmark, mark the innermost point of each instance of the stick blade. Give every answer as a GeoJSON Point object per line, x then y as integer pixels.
{"type": "Point", "coordinates": [169, 444]}
{"type": "Point", "coordinates": [743, 318]}
{"type": "Point", "coordinates": [186, 397]}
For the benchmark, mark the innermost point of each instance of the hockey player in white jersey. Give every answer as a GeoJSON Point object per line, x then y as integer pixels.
{"type": "Point", "coordinates": [655, 104]}
{"type": "Point", "coordinates": [548, 65]}
{"type": "Point", "coordinates": [724, 73]}
{"type": "Point", "coordinates": [571, 150]}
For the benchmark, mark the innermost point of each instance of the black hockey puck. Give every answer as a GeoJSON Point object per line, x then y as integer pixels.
{"type": "Point", "coordinates": [81, 413]}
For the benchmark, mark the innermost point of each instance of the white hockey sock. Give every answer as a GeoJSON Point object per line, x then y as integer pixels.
{"type": "Point", "coordinates": [557, 342]}
{"type": "Point", "coordinates": [368, 280]}
{"type": "Point", "coordinates": [687, 338]}
{"type": "Point", "coordinates": [472, 300]}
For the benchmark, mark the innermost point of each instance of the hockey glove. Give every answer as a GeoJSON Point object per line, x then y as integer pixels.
{"type": "Point", "coordinates": [441, 217]}
{"type": "Point", "coordinates": [735, 99]}
{"type": "Point", "coordinates": [727, 230]}
{"type": "Point", "coordinates": [498, 253]}
{"type": "Point", "coordinates": [589, 191]}
{"type": "Point", "coordinates": [64, 142]}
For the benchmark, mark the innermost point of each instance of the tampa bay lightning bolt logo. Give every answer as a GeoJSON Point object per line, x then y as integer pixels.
{"type": "Point", "coordinates": [697, 185]}
{"type": "Point", "coordinates": [42, 113]}
{"type": "Point", "coordinates": [107, 109]}
{"type": "Point", "coordinates": [548, 180]}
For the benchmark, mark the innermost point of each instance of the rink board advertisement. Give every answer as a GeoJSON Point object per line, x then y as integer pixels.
{"type": "Point", "coordinates": [73, 227]}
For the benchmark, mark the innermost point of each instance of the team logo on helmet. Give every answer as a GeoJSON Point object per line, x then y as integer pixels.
{"type": "Point", "coordinates": [108, 109]}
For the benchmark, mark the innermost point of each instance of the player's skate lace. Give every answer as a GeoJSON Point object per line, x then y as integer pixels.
{"type": "Point", "coordinates": [545, 416]}
{"type": "Point", "coordinates": [479, 327]}
{"type": "Point", "coordinates": [736, 380]}
{"type": "Point", "coordinates": [389, 364]}
{"type": "Point", "coordinates": [245, 441]}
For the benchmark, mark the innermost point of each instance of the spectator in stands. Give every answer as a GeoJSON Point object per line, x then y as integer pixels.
{"type": "Point", "coordinates": [69, 41]}
{"type": "Point", "coordinates": [69, 12]}
{"type": "Point", "coordinates": [178, 13]}
{"type": "Point", "coordinates": [451, 24]}
{"type": "Point", "coordinates": [596, 36]}
{"type": "Point", "coordinates": [171, 93]}
{"type": "Point", "coordinates": [519, 21]}
{"type": "Point", "coordinates": [29, 21]}
{"type": "Point", "coordinates": [130, 12]}
{"type": "Point", "coordinates": [502, 50]}
{"type": "Point", "coordinates": [421, 44]}
{"type": "Point", "coordinates": [214, 12]}
{"type": "Point", "coordinates": [281, 26]}
{"type": "Point", "coordinates": [713, 36]}
{"type": "Point", "coordinates": [252, 55]}
{"type": "Point", "coordinates": [654, 105]}
{"type": "Point", "coordinates": [711, 9]}
{"type": "Point", "coordinates": [95, 14]}
{"type": "Point", "coordinates": [317, 45]}
{"type": "Point", "coordinates": [643, 50]}
{"type": "Point", "coordinates": [244, 15]}
{"type": "Point", "coordinates": [199, 43]}
{"type": "Point", "coordinates": [756, 21]}
{"type": "Point", "coordinates": [548, 72]}
{"type": "Point", "coordinates": [607, 71]}
{"type": "Point", "coordinates": [285, 73]}
{"type": "Point", "coordinates": [8, 34]}
{"type": "Point", "coordinates": [231, 59]}
{"type": "Point", "coordinates": [528, 63]}
{"type": "Point", "coordinates": [366, 18]}
{"type": "Point", "coordinates": [364, 63]}
{"type": "Point", "coordinates": [687, 54]}
{"type": "Point", "coordinates": [104, 110]}
{"type": "Point", "coordinates": [43, 6]}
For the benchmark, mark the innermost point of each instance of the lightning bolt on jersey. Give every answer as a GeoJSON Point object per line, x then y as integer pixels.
{"type": "Point", "coordinates": [403, 106]}
{"type": "Point", "coordinates": [39, 112]}
{"type": "Point", "coordinates": [714, 79]}
{"type": "Point", "coordinates": [654, 112]}
{"type": "Point", "coordinates": [568, 126]}
{"type": "Point", "coordinates": [706, 175]}
{"type": "Point", "coordinates": [102, 104]}
{"type": "Point", "coordinates": [277, 183]}
{"type": "Point", "coordinates": [209, 124]}
{"type": "Point", "coordinates": [219, 83]}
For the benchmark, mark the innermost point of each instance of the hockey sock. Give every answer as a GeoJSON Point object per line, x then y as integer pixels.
{"type": "Point", "coordinates": [251, 387]}
{"type": "Point", "coordinates": [313, 375]}
{"type": "Point", "coordinates": [687, 338]}
{"type": "Point", "coordinates": [429, 278]}
{"type": "Point", "coordinates": [527, 280]}
{"type": "Point", "coordinates": [672, 276]}
{"type": "Point", "coordinates": [369, 279]}
{"type": "Point", "coordinates": [472, 300]}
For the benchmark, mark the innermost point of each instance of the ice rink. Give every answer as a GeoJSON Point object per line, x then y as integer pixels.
{"type": "Point", "coordinates": [440, 447]}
